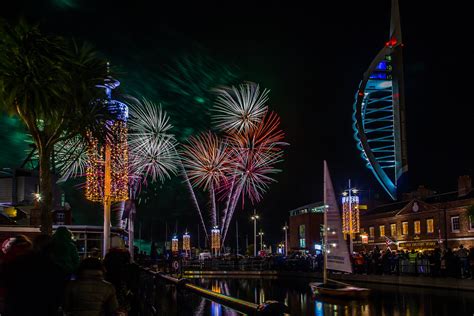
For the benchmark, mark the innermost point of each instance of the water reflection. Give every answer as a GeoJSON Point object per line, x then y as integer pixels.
{"type": "Point", "coordinates": [384, 300]}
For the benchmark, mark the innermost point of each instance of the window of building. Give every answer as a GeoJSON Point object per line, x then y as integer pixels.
{"type": "Point", "coordinates": [60, 218]}
{"type": "Point", "coordinates": [371, 232]}
{"type": "Point", "coordinates": [382, 230]}
{"type": "Point", "coordinates": [417, 227]}
{"type": "Point", "coordinates": [393, 230]}
{"type": "Point", "coordinates": [302, 243]}
{"type": "Point", "coordinates": [455, 223]}
{"type": "Point", "coordinates": [429, 226]}
{"type": "Point", "coordinates": [301, 233]}
{"type": "Point", "coordinates": [404, 228]}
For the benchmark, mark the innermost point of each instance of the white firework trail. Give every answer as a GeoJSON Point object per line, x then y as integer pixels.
{"type": "Point", "coordinates": [69, 157]}
{"type": "Point", "coordinates": [239, 109]}
{"type": "Point", "coordinates": [152, 148]}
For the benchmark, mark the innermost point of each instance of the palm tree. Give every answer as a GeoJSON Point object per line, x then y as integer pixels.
{"type": "Point", "coordinates": [48, 82]}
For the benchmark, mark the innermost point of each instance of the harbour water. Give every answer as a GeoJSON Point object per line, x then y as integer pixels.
{"type": "Point", "coordinates": [384, 300]}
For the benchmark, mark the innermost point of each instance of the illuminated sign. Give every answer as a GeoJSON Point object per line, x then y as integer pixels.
{"type": "Point", "coordinates": [364, 238]}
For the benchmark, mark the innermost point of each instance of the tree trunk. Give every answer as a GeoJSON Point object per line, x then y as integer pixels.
{"type": "Point", "coordinates": [46, 191]}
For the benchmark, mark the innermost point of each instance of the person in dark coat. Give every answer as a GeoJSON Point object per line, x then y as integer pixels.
{"type": "Point", "coordinates": [11, 276]}
{"type": "Point", "coordinates": [28, 275]}
{"type": "Point", "coordinates": [64, 251]}
{"type": "Point", "coordinates": [90, 294]}
{"type": "Point", "coordinates": [119, 272]}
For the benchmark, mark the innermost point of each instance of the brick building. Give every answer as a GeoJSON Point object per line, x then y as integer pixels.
{"type": "Point", "coordinates": [305, 227]}
{"type": "Point", "coordinates": [422, 221]}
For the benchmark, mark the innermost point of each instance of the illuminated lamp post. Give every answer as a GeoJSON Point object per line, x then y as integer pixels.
{"type": "Point", "coordinates": [174, 244]}
{"type": "Point", "coordinates": [260, 233]}
{"type": "Point", "coordinates": [187, 243]}
{"type": "Point", "coordinates": [254, 218]}
{"type": "Point", "coordinates": [215, 240]}
{"type": "Point", "coordinates": [350, 213]}
{"type": "Point", "coordinates": [285, 228]}
{"type": "Point", "coordinates": [107, 166]}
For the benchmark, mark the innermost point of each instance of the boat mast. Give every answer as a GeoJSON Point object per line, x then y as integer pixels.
{"type": "Point", "coordinates": [325, 222]}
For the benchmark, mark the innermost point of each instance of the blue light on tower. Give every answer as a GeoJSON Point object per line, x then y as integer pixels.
{"type": "Point", "coordinates": [379, 113]}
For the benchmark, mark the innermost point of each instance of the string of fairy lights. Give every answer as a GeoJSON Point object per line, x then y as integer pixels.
{"type": "Point", "coordinates": [350, 214]}
{"type": "Point", "coordinates": [94, 170]}
{"type": "Point", "coordinates": [215, 240]}
{"type": "Point", "coordinates": [118, 161]}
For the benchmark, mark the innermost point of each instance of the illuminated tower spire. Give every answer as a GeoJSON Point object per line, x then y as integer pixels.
{"type": "Point", "coordinates": [379, 112]}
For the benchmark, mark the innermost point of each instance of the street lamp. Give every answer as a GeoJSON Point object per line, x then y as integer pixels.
{"type": "Point", "coordinates": [260, 233]}
{"type": "Point", "coordinates": [285, 228]}
{"type": "Point", "coordinates": [254, 217]}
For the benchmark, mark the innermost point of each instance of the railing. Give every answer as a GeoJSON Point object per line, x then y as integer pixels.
{"type": "Point", "coordinates": [251, 264]}
{"type": "Point", "coordinates": [149, 305]}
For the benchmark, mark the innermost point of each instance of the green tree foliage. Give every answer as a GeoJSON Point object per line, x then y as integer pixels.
{"type": "Point", "coordinates": [49, 82]}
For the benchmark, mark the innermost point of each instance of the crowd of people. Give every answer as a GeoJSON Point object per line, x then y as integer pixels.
{"type": "Point", "coordinates": [46, 277]}
{"type": "Point", "coordinates": [437, 262]}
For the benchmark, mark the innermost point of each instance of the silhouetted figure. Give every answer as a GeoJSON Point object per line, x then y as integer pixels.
{"type": "Point", "coordinates": [435, 262]}
{"type": "Point", "coordinates": [462, 255]}
{"type": "Point", "coordinates": [153, 253]}
{"type": "Point", "coordinates": [90, 294]}
{"type": "Point", "coordinates": [11, 274]}
{"type": "Point", "coordinates": [119, 272]}
{"type": "Point", "coordinates": [471, 261]}
{"type": "Point", "coordinates": [64, 251]}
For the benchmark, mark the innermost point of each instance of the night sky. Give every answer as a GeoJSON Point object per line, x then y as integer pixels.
{"type": "Point", "coordinates": [312, 56]}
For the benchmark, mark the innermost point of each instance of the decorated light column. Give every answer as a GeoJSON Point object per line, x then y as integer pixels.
{"type": "Point", "coordinates": [107, 167]}
{"type": "Point", "coordinates": [350, 213]}
{"type": "Point", "coordinates": [174, 245]}
{"type": "Point", "coordinates": [187, 244]}
{"type": "Point", "coordinates": [216, 240]}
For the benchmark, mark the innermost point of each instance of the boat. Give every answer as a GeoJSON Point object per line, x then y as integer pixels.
{"type": "Point", "coordinates": [345, 291]}
{"type": "Point", "coordinates": [336, 253]}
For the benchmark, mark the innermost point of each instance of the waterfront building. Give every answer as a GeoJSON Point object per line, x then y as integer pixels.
{"type": "Point", "coordinates": [423, 220]}
{"type": "Point", "coordinates": [305, 227]}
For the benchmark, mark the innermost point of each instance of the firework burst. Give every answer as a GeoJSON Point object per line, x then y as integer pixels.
{"type": "Point", "coordinates": [255, 154]}
{"type": "Point", "coordinates": [152, 149]}
{"type": "Point", "coordinates": [207, 160]}
{"type": "Point", "coordinates": [71, 157]}
{"type": "Point", "coordinates": [239, 109]}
